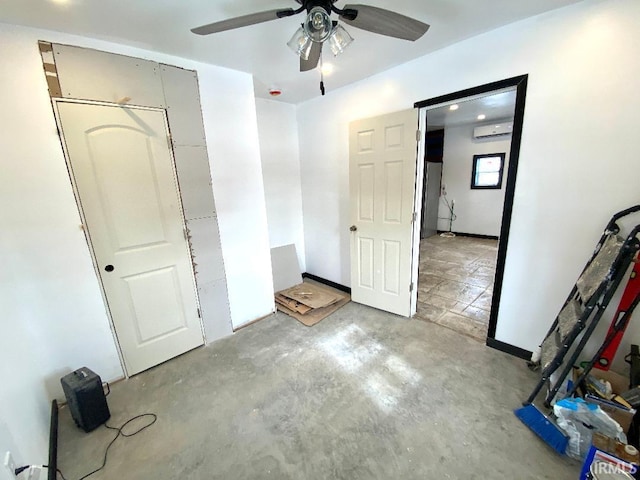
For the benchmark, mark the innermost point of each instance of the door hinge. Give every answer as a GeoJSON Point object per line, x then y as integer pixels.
{"type": "Point", "coordinates": [411, 287]}
{"type": "Point", "coordinates": [414, 217]}
{"type": "Point", "coordinates": [418, 135]}
{"type": "Point", "coordinates": [169, 142]}
{"type": "Point", "coordinates": [199, 314]}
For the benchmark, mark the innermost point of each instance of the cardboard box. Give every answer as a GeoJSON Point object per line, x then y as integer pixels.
{"type": "Point", "coordinates": [619, 384]}
{"type": "Point", "coordinates": [608, 457]}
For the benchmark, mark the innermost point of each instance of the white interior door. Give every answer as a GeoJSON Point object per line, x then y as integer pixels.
{"type": "Point", "coordinates": [382, 183]}
{"type": "Point", "coordinates": [124, 175]}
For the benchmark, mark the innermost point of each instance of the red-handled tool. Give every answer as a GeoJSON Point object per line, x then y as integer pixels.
{"type": "Point", "coordinates": [620, 320]}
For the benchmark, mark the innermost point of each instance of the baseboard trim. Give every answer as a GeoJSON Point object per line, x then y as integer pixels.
{"type": "Point", "coordinates": [248, 324]}
{"type": "Point", "coordinates": [329, 283]}
{"type": "Point", "coordinates": [472, 235]}
{"type": "Point", "coordinates": [510, 349]}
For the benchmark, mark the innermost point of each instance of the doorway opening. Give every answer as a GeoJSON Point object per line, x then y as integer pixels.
{"type": "Point", "coordinates": [467, 166]}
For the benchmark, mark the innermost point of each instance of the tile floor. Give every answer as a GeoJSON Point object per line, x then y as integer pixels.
{"type": "Point", "coordinates": [455, 283]}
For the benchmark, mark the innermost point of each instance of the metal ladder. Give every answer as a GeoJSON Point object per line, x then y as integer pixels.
{"type": "Point", "coordinates": [585, 305]}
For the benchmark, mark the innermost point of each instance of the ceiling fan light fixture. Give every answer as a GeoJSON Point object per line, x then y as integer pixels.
{"type": "Point", "coordinates": [318, 25]}
{"type": "Point", "coordinates": [300, 43]}
{"type": "Point", "coordinates": [339, 40]}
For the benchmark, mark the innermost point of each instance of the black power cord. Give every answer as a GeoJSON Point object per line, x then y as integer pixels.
{"type": "Point", "coordinates": [121, 433]}
{"type": "Point", "coordinates": [118, 435]}
{"type": "Point", "coordinates": [19, 470]}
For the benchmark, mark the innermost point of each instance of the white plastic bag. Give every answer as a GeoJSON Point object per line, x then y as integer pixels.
{"type": "Point", "coordinates": [580, 420]}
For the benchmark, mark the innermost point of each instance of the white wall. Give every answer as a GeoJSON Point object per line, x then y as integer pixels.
{"type": "Point", "coordinates": [279, 151]}
{"type": "Point", "coordinates": [477, 211]}
{"type": "Point", "coordinates": [51, 310]}
{"type": "Point", "coordinates": [230, 123]}
{"type": "Point", "coordinates": [578, 161]}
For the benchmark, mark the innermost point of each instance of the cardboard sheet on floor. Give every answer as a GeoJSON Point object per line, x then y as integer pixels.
{"type": "Point", "coordinates": [312, 295]}
{"type": "Point", "coordinates": [317, 314]}
{"type": "Point", "coordinates": [292, 304]}
{"type": "Point", "coordinates": [331, 299]}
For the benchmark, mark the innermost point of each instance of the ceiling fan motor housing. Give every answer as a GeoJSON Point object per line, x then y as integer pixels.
{"type": "Point", "coordinates": [328, 6]}
{"type": "Point", "coordinates": [309, 4]}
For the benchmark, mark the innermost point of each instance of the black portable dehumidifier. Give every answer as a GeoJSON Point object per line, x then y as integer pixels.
{"type": "Point", "coordinates": [86, 399]}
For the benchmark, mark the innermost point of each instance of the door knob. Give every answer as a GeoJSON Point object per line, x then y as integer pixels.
{"type": "Point", "coordinates": [109, 268]}
{"type": "Point", "coordinates": [353, 228]}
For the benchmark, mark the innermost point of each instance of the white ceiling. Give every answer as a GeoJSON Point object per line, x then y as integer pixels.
{"type": "Point", "coordinates": [495, 107]}
{"type": "Point", "coordinates": [163, 25]}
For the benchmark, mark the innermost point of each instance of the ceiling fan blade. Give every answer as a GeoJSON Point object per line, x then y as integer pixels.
{"type": "Point", "coordinates": [314, 58]}
{"type": "Point", "coordinates": [243, 21]}
{"type": "Point", "coordinates": [385, 22]}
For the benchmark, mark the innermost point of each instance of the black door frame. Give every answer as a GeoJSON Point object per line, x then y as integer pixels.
{"type": "Point", "coordinates": [520, 82]}
{"type": "Point", "coordinates": [424, 176]}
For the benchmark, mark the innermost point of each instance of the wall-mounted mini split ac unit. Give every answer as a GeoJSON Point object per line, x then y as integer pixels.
{"type": "Point", "coordinates": [493, 130]}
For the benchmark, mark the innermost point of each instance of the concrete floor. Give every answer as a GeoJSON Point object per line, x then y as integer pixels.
{"type": "Point", "coordinates": [362, 395]}
{"type": "Point", "coordinates": [455, 282]}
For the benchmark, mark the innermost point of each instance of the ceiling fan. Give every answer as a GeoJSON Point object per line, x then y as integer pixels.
{"type": "Point", "coordinates": [318, 27]}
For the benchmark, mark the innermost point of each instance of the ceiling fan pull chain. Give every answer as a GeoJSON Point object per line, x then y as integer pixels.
{"type": "Point", "coordinates": [321, 75]}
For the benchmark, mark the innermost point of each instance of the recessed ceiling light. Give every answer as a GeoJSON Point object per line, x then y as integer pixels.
{"type": "Point", "coordinates": [327, 68]}
{"type": "Point", "coordinates": [482, 116]}
{"type": "Point", "coordinates": [454, 107]}
{"type": "Point", "coordinates": [60, 2]}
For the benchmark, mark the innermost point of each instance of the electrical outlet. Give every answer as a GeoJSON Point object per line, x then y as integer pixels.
{"type": "Point", "coordinates": [10, 464]}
